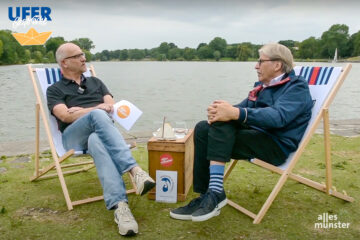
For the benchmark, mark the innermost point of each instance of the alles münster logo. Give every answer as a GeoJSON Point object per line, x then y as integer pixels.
{"type": "Point", "coordinates": [329, 221]}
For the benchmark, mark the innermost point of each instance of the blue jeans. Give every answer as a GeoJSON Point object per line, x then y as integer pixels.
{"type": "Point", "coordinates": [96, 133]}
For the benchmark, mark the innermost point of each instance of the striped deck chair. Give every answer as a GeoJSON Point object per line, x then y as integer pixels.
{"type": "Point", "coordinates": [324, 83]}
{"type": "Point", "coordinates": [46, 77]}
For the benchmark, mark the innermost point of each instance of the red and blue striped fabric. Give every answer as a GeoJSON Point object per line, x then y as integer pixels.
{"type": "Point", "coordinates": [316, 75]}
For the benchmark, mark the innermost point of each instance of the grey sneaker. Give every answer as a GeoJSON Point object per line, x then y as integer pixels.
{"type": "Point", "coordinates": [125, 220]}
{"type": "Point", "coordinates": [143, 182]}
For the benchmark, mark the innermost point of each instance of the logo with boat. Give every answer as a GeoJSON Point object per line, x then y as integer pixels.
{"type": "Point", "coordinates": [24, 16]}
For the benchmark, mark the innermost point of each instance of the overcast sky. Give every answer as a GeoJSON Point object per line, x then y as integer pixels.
{"type": "Point", "coordinates": [122, 24]}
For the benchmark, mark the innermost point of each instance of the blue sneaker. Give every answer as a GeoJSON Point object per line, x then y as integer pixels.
{"type": "Point", "coordinates": [210, 206]}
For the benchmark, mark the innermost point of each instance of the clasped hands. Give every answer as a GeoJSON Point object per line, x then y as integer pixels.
{"type": "Point", "coordinates": [109, 108]}
{"type": "Point", "coordinates": [222, 111]}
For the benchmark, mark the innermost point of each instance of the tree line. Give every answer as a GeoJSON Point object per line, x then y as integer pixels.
{"type": "Point", "coordinates": [336, 37]}
{"type": "Point", "coordinates": [11, 52]}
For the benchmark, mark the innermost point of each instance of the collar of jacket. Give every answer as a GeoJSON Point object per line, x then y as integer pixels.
{"type": "Point", "coordinates": [253, 94]}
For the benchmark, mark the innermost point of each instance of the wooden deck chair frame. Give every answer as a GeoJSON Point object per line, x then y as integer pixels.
{"type": "Point", "coordinates": [44, 173]}
{"type": "Point", "coordinates": [287, 173]}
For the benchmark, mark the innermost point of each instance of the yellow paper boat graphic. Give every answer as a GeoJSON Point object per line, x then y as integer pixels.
{"type": "Point", "coordinates": [32, 37]}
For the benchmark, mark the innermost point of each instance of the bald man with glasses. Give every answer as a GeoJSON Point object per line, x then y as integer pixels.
{"type": "Point", "coordinates": [82, 106]}
{"type": "Point", "coordinates": [268, 125]}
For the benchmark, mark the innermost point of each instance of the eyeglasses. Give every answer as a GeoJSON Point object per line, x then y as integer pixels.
{"type": "Point", "coordinates": [260, 61]}
{"type": "Point", "coordinates": [77, 56]}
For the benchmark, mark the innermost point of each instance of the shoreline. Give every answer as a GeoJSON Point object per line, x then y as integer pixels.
{"type": "Point", "coordinates": [345, 128]}
{"type": "Point", "coordinates": [197, 60]}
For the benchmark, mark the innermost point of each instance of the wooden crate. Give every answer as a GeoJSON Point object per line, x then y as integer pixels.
{"type": "Point", "coordinates": [173, 156]}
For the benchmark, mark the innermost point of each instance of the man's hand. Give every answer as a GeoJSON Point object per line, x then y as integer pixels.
{"type": "Point", "coordinates": [222, 111]}
{"type": "Point", "coordinates": [109, 108]}
{"type": "Point", "coordinates": [74, 109]}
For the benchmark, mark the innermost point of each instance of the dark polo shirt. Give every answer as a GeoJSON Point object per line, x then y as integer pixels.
{"type": "Point", "coordinates": [66, 92]}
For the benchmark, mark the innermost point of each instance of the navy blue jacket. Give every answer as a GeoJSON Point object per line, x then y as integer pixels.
{"type": "Point", "coordinates": [281, 111]}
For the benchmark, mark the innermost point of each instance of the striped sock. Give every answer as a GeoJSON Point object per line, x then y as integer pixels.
{"type": "Point", "coordinates": [216, 178]}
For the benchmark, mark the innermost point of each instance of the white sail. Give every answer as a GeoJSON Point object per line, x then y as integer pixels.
{"type": "Point", "coordinates": [335, 56]}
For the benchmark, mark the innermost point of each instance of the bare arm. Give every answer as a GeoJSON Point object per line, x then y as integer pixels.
{"type": "Point", "coordinates": [109, 100]}
{"type": "Point", "coordinates": [69, 115]}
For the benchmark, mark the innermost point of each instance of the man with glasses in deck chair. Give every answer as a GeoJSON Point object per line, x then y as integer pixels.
{"type": "Point", "coordinates": [267, 125]}
{"type": "Point", "coordinates": [82, 106]}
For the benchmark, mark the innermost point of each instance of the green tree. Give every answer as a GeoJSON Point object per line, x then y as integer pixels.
{"type": "Point", "coordinates": [114, 54]}
{"type": "Point", "coordinates": [147, 53]}
{"type": "Point", "coordinates": [153, 53]}
{"type": "Point", "coordinates": [218, 44]}
{"type": "Point", "coordinates": [217, 55]}
{"type": "Point", "coordinates": [161, 57]}
{"type": "Point", "coordinates": [105, 55]}
{"type": "Point", "coordinates": [124, 55]}
{"type": "Point", "coordinates": [205, 52]}
{"type": "Point", "coordinates": [1, 48]}
{"type": "Point", "coordinates": [231, 51]}
{"type": "Point", "coordinates": [288, 43]}
{"type": "Point", "coordinates": [37, 56]}
{"type": "Point", "coordinates": [355, 44]}
{"type": "Point", "coordinates": [291, 44]}
{"type": "Point", "coordinates": [174, 53]}
{"type": "Point", "coordinates": [336, 37]}
{"type": "Point", "coordinates": [200, 45]}
{"type": "Point", "coordinates": [172, 45]}
{"type": "Point", "coordinates": [34, 48]}
{"type": "Point", "coordinates": [10, 46]}
{"type": "Point", "coordinates": [53, 43]}
{"type": "Point", "coordinates": [255, 51]}
{"type": "Point", "coordinates": [309, 48]}
{"type": "Point", "coordinates": [27, 56]}
{"type": "Point", "coordinates": [84, 43]}
{"type": "Point", "coordinates": [244, 52]}
{"type": "Point", "coordinates": [136, 54]}
{"type": "Point", "coordinates": [96, 56]}
{"type": "Point", "coordinates": [189, 54]}
{"type": "Point", "coordinates": [49, 57]}
{"type": "Point", "coordinates": [88, 55]}
{"type": "Point", "coordinates": [164, 48]}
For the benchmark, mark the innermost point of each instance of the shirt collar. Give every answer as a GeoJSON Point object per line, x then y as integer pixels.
{"type": "Point", "coordinates": [274, 80]}
{"type": "Point", "coordinates": [68, 81]}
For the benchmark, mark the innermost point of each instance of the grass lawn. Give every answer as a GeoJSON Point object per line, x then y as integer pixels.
{"type": "Point", "coordinates": [37, 210]}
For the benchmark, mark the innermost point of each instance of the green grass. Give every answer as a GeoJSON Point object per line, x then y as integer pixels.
{"type": "Point", "coordinates": [37, 210]}
{"type": "Point", "coordinates": [354, 58]}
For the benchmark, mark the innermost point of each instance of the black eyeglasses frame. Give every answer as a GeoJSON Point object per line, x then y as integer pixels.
{"type": "Point", "coordinates": [260, 61]}
{"type": "Point", "coordinates": [77, 56]}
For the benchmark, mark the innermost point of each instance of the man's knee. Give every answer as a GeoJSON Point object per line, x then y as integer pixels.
{"type": "Point", "coordinates": [229, 124]}
{"type": "Point", "coordinates": [201, 128]}
{"type": "Point", "coordinates": [99, 115]}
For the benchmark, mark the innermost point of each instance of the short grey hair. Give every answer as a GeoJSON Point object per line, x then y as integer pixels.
{"type": "Point", "coordinates": [279, 52]}
{"type": "Point", "coordinates": [60, 54]}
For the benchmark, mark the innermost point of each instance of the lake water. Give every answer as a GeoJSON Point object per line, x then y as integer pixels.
{"type": "Point", "coordinates": [181, 91]}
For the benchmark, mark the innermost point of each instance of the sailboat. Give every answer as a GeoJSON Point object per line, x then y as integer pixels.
{"type": "Point", "coordinates": [335, 56]}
